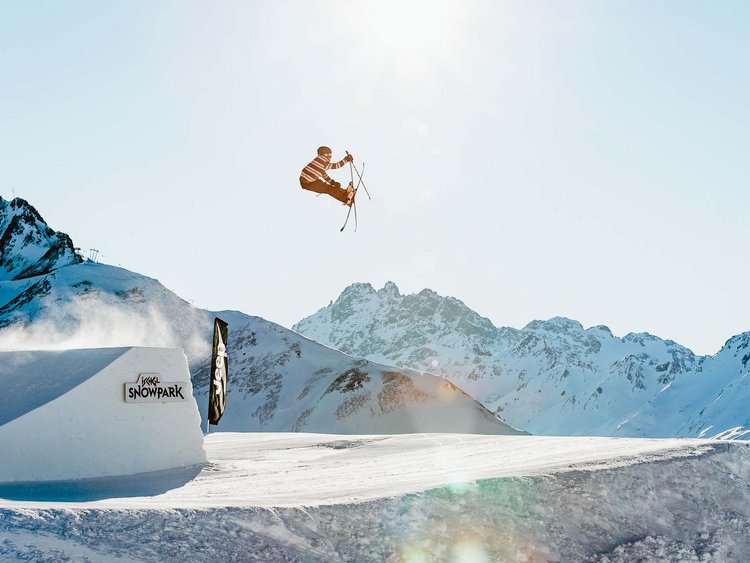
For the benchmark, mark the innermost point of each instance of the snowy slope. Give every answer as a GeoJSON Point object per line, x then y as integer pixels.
{"type": "Point", "coordinates": [426, 497]}
{"type": "Point", "coordinates": [279, 380]}
{"type": "Point", "coordinates": [286, 382]}
{"type": "Point", "coordinates": [551, 377]}
{"type": "Point", "coordinates": [712, 400]}
{"type": "Point", "coordinates": [90, 305]}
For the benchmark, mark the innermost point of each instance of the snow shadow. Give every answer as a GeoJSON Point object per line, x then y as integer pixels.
{"type": "Point", "coordinates": [140, 485]}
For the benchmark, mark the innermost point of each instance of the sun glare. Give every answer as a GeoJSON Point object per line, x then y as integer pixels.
{"type": "Point", "coordinates": [411, 26]}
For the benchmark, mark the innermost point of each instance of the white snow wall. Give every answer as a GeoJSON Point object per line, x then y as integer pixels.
{"type": "Point", "coordinates": [63, 415]}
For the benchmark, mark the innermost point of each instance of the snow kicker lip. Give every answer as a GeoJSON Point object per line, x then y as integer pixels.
{"type": "Point", "coordinates": [71, 367]}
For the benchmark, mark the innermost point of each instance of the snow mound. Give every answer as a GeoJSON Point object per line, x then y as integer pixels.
{"type": "Point", "coordinates": [64, 414]}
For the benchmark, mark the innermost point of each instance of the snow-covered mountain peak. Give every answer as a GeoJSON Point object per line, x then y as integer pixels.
{"type": "Point", "coordinates": [14, 207]}
{"type": "Point", "coordinates": [390, 289]}
{"type": "Point", "coordinates": [642, 338]}
{"type": "Point", "coordinates": [414, 320]}
{"type": "Point", "coordinates": [555, 325]}
{"type": "Point", "coordinates": [601, 331]}
{"type": "Point", "coordinates": [738, 343]}
{"type": "Point", "coordinates": [427, 292]}
{"type": "Point", "coordinates": [28, 246]}
{"type": "Point", "coordinates": [563, 341]}
{"type": "Point", "coordinates": [357, 290]}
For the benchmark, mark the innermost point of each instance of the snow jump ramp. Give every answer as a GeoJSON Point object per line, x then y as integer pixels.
{"type": "Point", "coordinates": [96, 414]}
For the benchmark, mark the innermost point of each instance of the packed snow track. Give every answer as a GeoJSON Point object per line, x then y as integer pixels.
{"type": "Point", "coordinates": [415, 497]}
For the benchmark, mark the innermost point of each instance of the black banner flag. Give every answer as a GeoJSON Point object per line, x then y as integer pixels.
{"type": "Point", "coordinates": [217, 391]}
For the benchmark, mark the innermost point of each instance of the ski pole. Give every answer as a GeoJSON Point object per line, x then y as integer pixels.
{"type": "Point", "coordinates": [360, 177]}
{"type": "Point", "coordinates": [351, 163]}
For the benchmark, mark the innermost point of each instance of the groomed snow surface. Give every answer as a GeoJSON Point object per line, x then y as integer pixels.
{"type": "Point", "coordinates": [418, 497]}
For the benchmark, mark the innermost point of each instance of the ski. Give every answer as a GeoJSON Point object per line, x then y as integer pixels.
{"type": "Point", "coordinates": [354, 201]}
{"type": "Point", "coordinates": [360, 178]}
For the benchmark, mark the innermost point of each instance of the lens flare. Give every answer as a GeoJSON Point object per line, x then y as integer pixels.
{"type": "Point", "coordinates": [460, 486]}
{"type": "Point", "coordinates": [471, 551]}
{"type": "Point", "coordinates": [414, 554]}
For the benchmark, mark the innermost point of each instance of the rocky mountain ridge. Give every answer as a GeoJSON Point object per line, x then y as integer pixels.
{"type": "Point", "coordinates": [551, 377]}
{"type": "Point", "coordinates": [28, 246]}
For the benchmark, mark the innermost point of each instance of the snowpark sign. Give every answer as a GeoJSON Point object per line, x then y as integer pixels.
{"type": "Point", "coordinates": [149, 389]}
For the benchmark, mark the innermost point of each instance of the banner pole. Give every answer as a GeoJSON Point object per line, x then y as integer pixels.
{"type": "Point", "coordinates": [210, 383]}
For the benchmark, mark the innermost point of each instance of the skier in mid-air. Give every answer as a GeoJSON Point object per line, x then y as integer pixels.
{"type": "Point", "coordinates": [315, 179]}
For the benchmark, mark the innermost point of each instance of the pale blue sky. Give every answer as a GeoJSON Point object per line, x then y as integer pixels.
{"type": "Point", "coordinates": [533, 159]}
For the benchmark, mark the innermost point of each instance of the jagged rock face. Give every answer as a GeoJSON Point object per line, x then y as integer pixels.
{"type": "Point", "coordinates": [551, 377]}
{"type": "Point", "coordinates": [425, 331]}
{"type": "Point", "coordinates": [28, 247]}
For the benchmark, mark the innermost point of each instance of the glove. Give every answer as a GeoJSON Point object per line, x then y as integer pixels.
{"type": "Point", "coordinates": [348, 158]}
{"type": "Point", "coordinates": [335, 184]}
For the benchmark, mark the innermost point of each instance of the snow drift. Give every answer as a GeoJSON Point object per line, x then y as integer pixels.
{"type": "Point", "coordinates": [63, 415]}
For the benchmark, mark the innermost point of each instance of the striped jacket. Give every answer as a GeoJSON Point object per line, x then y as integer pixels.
{"type": "Point", "coordinates": [317, 169]}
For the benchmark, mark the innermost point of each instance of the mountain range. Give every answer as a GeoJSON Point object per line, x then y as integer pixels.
{"type": "Point", "coordinates": [50, 297]}
{"type": "Point", "coordinates": [552, 377]}
{"type": "Point", "coordinates": [377, 360]}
